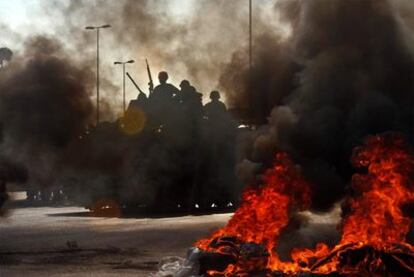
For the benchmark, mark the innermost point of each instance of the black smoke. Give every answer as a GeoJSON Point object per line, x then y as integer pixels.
{"type": "Point", "coordinates": [345, 71]}
{"type": "Point", "coordinates": [44, 106]}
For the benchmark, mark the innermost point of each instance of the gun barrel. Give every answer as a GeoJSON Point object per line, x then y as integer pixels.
{"type": "Point", "coordinates": [151, 83]}
{"type": "Point", "coordinates": [135, 84]}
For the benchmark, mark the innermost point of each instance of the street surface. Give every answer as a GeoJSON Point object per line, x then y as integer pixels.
{"type": "Point", "coordinates": [65, 241]}
{"type": "Point", "coordinates": [68, 241]}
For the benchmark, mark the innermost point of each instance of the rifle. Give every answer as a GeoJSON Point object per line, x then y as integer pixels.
{"type": "Point", "coordinates": [150, 83]}
{"type": "Point", "coordinates": [135, 84]}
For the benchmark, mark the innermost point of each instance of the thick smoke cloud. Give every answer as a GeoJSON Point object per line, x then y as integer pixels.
{"type": "Point", "coordinates": [345, 72]}
{"type": "Point", "coordinates": [44, 105]}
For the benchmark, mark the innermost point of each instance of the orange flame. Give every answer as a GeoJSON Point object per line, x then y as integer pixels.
{"type": "Point", "coordinates": [375, 220]}
{"type": "Point", "coordinates": [264, 212]}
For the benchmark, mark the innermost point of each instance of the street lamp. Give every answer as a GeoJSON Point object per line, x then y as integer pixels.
{"type": "Point", "coordinates": [123, 76]}
{"type": "Point", "coordinates": [250, 34]}
{"type": "Point", "coordinates": [97, 65]}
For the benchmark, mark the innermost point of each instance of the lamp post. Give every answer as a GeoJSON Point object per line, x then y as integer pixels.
{"type": "Point", "coordinates": [250, 34]}
{"type": "Point", "coordinates": [123, 80]}
{"type": "Point", "coordinates": [97, 65]}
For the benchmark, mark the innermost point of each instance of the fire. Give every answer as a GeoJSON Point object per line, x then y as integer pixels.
{"type": "Point", "coordinates": [264, 211]}
{"type": "Point", "coordinates": [377, 218]}
{"type": "Point", "coordinates": [373, 231]}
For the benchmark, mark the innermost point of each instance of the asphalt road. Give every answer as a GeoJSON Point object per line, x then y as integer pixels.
{"type": "Point", "coordinates": [66, 241]}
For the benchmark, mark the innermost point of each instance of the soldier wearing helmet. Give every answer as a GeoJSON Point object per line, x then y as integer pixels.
{"type": "Point", "coordinates": [161, 101]}
{"type": "Point", "coordinates": [164, 90]}
{"type": "Point", "coordinates": [215, 109]}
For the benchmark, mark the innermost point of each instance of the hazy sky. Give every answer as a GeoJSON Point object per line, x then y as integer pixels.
{"type": "Point", "coordinates": [19, 13]}
{"type": "Point", "coordinates": [28, 17]}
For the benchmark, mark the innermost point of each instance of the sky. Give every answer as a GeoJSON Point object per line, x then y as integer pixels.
{"type": "Point", "coordinates": [17, 13]}
{"type": "Point", "coordinates": [27, 17]}
{"type": "Point", "coordinates": [23, 17]}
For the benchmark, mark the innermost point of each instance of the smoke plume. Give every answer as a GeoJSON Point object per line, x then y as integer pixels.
{"type": "Point", "coordinates": [44, 106]}
{"type": "Point", "coordinates": [344, 72]}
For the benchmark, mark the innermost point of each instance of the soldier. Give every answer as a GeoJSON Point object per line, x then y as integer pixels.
{"type": "Point", "coordinates": [138, 104]}
{"type": "Point", "coordinates": [164, 91]}
{"type": "Point", "coordinates": [185, 91]}
{"type": "Point", "coordinates": [161, 101]}
{"type": "Point", "coordinates": [134, 120]}
{"type": "Point", "coordinates": [142, 99]}
{"type": "Point", "coordinates": [220, 134]}
{"type": "Point", "coordinates": [190, 98]}
{"type": "Point", "coordinates": [215, 109]}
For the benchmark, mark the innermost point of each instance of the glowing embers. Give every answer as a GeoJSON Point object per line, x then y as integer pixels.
{"type": "Point", "coordinates": [361, 259]}
{"type": "Point", "coordinates": [373, 230]}
{"type": "Point", "coordinates": [105, 208]}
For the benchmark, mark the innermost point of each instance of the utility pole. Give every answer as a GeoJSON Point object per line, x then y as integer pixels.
{"type": "Point", "coordinates": [250, 35]}
{"type": "Point", "coordinates": [123, 81]}
{"type": "Point", "coordinates": [97, 65]}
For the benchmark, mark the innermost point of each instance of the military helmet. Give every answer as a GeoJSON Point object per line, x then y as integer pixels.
{"type": "Point", "coordinates": [214, 95]}
{"type": "Point", "coordinates": [184, 83]}
{"type": "Point", "coordinates": [163, 76]}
